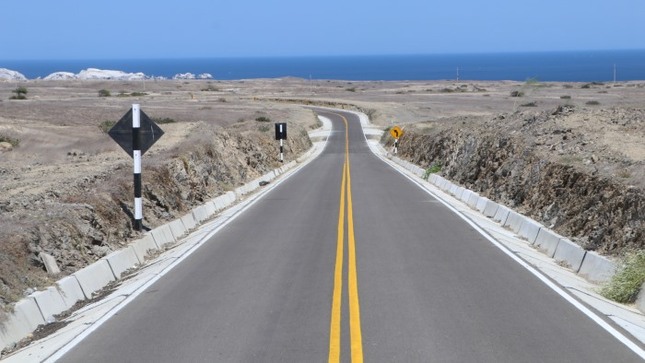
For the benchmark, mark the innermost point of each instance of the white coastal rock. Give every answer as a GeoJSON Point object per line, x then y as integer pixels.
{"type": "Point", "coordinates": [56, 76]}
{"type": "Point", "coordinates": [205, 76]}
{"type": "Point", "coordinates": [9, 75]}
{"type": "Point", "coordinates": [94, 73]}
{"type": "Point", "coordinates": [184, 76]}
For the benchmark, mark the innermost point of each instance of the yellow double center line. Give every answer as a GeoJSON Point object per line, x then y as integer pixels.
{"type": "Point", "coordinates": [356, 339]}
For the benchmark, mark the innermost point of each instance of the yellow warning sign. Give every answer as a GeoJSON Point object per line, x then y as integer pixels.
{"type": "Point", "coordinates": [396, 132]}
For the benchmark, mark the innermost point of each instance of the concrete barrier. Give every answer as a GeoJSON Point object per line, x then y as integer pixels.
{"type": "Point", "coordinates": [163, 235]}
{"type": "Point", "coordinates": [453, 189]}
{"type": "Point", "coordinates": [177, 229]}
{"type": "Point", "coordinates": [207, 212]}
{"type": "Point", "coordinates": [143, 246]}
{"type": "Point", "coordinates": [24, 319]}
{"type": "Point", "coordinates": [465, 196]}
{"type": "Point", "coordinates": [122, 260]}
{"type": "Point", "coordinates": [481, 204]}
{"type": "Point", "coordinates": [445, 185]}
{"type": "Point", "coordinates": [640, 300]}
{"type": "Point", "coordinates": [70, 291]}
{"type": "Point", "coordinates": [50, 302]}
{"type": "Point", "coordinates": [189, 221]}
{"type": "Point", "coordinates": [547, 241]}
{"type": "Point", "coordinates": [473, 200]}
{"type": "Point", "coordinates": [502, 214]}
{"type": "Point", "coordinates": [569, 253]}
{"type": "Point", "coordinates": [490, 209]}
{"type": "Point", "coordinates": [529, 229]}
{"type": "Point", "coordinates": [94, 277]}
{"type": "Point", "coordinates": [223, 201]}
{"type": "Point", "coordinates": [514, 221]}
{"type": "Point", "coordinates": [596, 268]}
{"type": "Point", "coordinates": [440, 182]}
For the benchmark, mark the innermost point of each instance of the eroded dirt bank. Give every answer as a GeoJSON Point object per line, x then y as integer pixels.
{"type": "Point", "coordinates": [577, 171]}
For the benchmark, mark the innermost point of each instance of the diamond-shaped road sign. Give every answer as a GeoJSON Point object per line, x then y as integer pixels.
{"type": "Point", "coordinates": [121, 132]}
{"type": "Point", "coordinates": [396, 132]}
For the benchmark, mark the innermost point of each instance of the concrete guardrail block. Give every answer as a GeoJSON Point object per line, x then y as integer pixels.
{"type": "Point", "coordinates": [122, 260]}
{"type": "Point", "coordinates": [466, 195]}
{"type": "Point", "coordinates": [163, 235]}
{"type": "Point", "coordinates": [529, 229]}
{"type": "Point", "coordinates": [514, 221]}
{"type": "Point", "coordinates": [94, 277]}
{"type": "Point", "coordinates": [444, 184]}
{"type": "Point", "coordinates": [202, 213]}
{"type": "Point", "coordinates": [502, 214]}
{"type": "Point", "coordinates": [473, 200]}
{"type": "Point", "coordinates": [25, 318]}
{"type": "Point", "coordinates": [177, 228]}
{"type": "Point", "coordinates": [219, 202]}
{"type": "Point", "coordinates": [490, 209]}
{"type": "Point", "coordinates": [481, 204]}
{"type": "Point", "coordinates": [569, 253]}
{"type": "Point", "coordinates": [143, 246]}
{"type": "Point", "coordinates": [547, 241]}
{"type": "Point", "coordinates": [640, 301]}
{"type": "Point", "coordinates": [70, 291]}
{"type": "Point", "coordinates": [459, 191]}
{"type": "Point", "coordinates": [50, 302]}
{"type": "Point", "coordinates": [189, 221]}
{"type": "Point", "coordinates": [209, 210]}
{"type": "Point", "coordinates": [596, 268]}
{"type": "Point", "coordinates": [433, 179]}
{"type": "Point", "coordinates": [437, 180]}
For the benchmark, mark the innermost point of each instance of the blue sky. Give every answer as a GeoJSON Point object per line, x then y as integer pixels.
{"type": "Point", "coordinates": [75, 29]}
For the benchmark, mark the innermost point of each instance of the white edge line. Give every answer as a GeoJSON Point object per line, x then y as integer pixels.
{"type": "Point", "coordinates": [97, 324]}
{"type": "Point", "coordinates": [577, 304]}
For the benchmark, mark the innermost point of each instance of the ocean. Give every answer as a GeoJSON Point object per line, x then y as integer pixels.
{"type": "Point", "coordinates": [581, 66]}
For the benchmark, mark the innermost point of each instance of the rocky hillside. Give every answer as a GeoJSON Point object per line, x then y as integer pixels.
{"type": "Point", "coordinates": [578, 171]}
{"type": "Point", "coordinates": [84, 221]}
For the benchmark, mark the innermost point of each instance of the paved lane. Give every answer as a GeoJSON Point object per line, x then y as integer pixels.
{"type": "Point", "coordinates": [427, 287]}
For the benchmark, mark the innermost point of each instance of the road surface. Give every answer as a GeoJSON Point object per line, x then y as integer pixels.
{"type": "Point", "coordinates": [345, 261]}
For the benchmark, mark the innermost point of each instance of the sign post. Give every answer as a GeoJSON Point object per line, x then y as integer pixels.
{"type": "Point", "coordinates": [136, 133]}
{"type": "Point", "coordinates": [281, 134]}
{"type": "Point", "coordinates": [396, 133]}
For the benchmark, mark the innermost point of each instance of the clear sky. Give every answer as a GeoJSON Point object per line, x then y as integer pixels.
{"type": "Point", "coordinates": [82, 29]}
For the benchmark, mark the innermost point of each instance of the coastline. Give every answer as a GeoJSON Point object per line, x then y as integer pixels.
{"type": "Point", "coordinates": [573, 66]}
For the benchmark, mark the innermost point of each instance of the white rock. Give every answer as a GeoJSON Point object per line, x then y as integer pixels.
{"type": "Point", "coordinates": [9, 75]}
{"type": "Point", "coordinates": [60, 76]}
{"type": "Point", "coordinates": [93, 73]}
{"type": "Point", "coordinates": [184, 76]}
{"type": "Point", "coordinates": [205, 76]}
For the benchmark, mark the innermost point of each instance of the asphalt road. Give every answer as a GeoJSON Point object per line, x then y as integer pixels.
{"type": "Point", "coordinates": [349, 261]}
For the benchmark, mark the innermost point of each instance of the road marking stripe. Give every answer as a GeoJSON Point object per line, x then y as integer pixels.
{"type": "Point", "coordinates": [356, 340]}
{"type": "Point", "coordinates": [335, 330]}
{"type": "Point", "coordinates": [354, 307]}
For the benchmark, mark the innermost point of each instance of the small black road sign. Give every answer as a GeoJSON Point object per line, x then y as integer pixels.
{"type": "Point", "coordinates": [121, 132]}
{"type": "Point", "coordinates": [281, 131]}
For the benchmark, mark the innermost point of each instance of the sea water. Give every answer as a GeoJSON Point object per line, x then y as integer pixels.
{"type": "Point", "coordinates": [581, 66]}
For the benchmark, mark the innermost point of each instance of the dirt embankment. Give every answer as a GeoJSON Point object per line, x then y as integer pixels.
{"type": "Point", "coordinates": [68, 189]}
{"type": "Point", "coordinates": [94, 216]}
{"type": "Point", "coordinates": [578, 171]}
